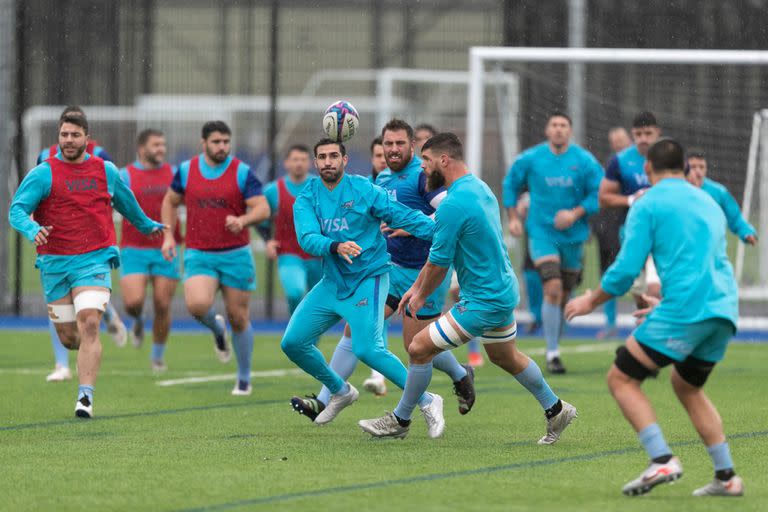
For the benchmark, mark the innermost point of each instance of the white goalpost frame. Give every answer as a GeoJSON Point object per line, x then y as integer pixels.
{"type": "Point", "coordinates": [479, 55]}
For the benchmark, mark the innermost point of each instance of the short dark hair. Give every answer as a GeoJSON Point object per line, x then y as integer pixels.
{"type": "Point", "coordinates": [75, 119]}
{"type": "Point", "coordinates": [215, 126]}
{"type": "Point", "coordinates": [559, 113]}
{"type": "Point", "coordinates": [696, 153]}
{"type": "Point", "coordinates": [644, 119]}
{"type": "Point", "coordinates": [326, 141]}
{"type": "Point", "coordinates": [297, 147]}
{"type": "Point", "coordinates": [395, 125]}
{"type": "Point", "coordinates": [426, 127]}
{"type": "Point", "coordinates": [667, 154]}
{"type": "Point", "coordinates": [445, 142]}
{"type": "Point", "coordinates": [145, 135]}
{"type": "Point", "coordinates": [375, 142]}
{"type": "Point", "coordinates": [72, 109]}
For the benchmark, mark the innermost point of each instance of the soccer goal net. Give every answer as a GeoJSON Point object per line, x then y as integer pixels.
{"type": "Point", "coordinates": [705, 99]}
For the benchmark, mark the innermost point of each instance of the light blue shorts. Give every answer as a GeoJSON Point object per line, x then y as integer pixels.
{"type": "Point", "coordinates": [705, 340]}
{"type": "Point", "coordinates": [60, 284]}
{"type": "Point", "coordinates": [477, 320]}
{"type": "Point", "coordinates": [233, 268]}
{"type": "Point", "coordinates": [473, 321]}
{"type": "Point", "coordinates": [570, 254]}
{"type": "Point", "coordinates": [400, 281]}
{"type": "Point", "coordinates": [149, 262]}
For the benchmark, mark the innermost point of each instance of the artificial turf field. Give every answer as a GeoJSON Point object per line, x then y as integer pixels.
{"type": "Point", "coordinates": [192, 446]}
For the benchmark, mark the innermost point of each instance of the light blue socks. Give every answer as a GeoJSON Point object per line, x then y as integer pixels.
{"type": "Point", "coordinates": [242, 343]}
{"type": "Point", "coordinates": [60, 352]}
{"type": "Point", "coordinates": [343, 362]}
{"type": "Point", "coordinates": [446, 362]}
{"type": "Point", "coordinates": [416, 384]}
{"type": "Point", "coordinates": [721, 456]}
{"type": "Point", "coordinates": [532, 379]}
{"type": "Point", "coordinates": [83, 390]}
{"type": "Point", "coordinates": [653, 441]}
{"type": "Point", "coordinates": [209, 320]}
{"type": "Point", "coordinates": [552, 318]}
{"type": "Point", "coordinates": [158, 351]}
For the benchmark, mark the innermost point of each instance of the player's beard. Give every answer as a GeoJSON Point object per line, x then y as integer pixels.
{"type": "Point", "coordinates": [331, 175]}
{"type": "Point", "coordinates": [217, 157]}
{"type": "Point", "coordinates": [399, 165]}
{"type": "Point", "coordinates": [78, 153]}
{"type": "Point", "coordinates": [156, 159]}
{"type": "Point", "coordinates": [435, 180]}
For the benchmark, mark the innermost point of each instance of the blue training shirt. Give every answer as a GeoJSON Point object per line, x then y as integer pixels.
{"type": "Point", "coordinates": [627, 168]}
{"type": "Point", "coordinates": [409, 187]}
{"type": "Point", "coordinates": [683, 229]}
{"type": "Point", "coordinates": [555, 182]}
{"type": "Point", "coordinates": [736, 221]}
{"type": "Point", "coordinates": [352, 211]}
{"type": "Point", "coordinates": [468, 236]}
{"type": "Point", "coordinates": [249, 184]}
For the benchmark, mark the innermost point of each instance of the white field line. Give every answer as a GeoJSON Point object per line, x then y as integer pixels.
{"type": "Point", "coordinates": [576, 349]}
{"type": "Point", "coordinates": [116, 373]}
{"type": "Point", "coordinates": [228, 376]}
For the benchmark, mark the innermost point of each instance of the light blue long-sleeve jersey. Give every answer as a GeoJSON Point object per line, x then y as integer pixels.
{"type": "Point", "coordinates": [555, 182]}
{"type": "Point", "coordinates": [736, 221]}
{"type": "Point", "coordinates": [468, 236]}
{"type": "Point", "coordinates": [352, 211]}
{"type": "Point", "coordinates": [36, 186]}
{"type": "Point", "coordinates": [683, 229]}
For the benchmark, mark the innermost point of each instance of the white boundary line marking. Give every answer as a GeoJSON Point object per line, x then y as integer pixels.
{"type": "Point", "coordinates": [228, 376]}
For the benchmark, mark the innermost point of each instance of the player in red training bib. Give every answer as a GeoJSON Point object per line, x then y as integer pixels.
{"type": "Point", "coordinates": [149, 178]}
{"type": "Point", "coordinates": [223, 197]}
{"type": "Point", "coordinates": [70, 197]}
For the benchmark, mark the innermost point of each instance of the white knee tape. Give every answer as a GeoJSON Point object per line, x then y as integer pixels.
{"type": "Point", "coordinates": [508, 334]}
{"type": "Point", "coordinates": [443, 335]}
{"type": "Point", "coordinates": [91, 299]}
{"type": "Point", "coordinates": [61, 313]}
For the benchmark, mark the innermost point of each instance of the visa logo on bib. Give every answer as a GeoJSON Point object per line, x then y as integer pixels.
{"type": "Point", "coordinates": [334, 225]}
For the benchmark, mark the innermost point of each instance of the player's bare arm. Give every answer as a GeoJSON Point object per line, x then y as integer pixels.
{"type": "Point", "coordinates": [169, 214]}
{"type": "Point", "coordinates": [586, 303]}
{"type": "Point", "coordinates": [515, 223]}
{"type": "Point", "coordinates": [429, 279]}
{"type": "Point", "coordinates": [610, 196]}
{"type": "Point", "coordinates": [258, 211]}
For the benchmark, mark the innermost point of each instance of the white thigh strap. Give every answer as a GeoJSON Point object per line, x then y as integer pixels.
{"type": "Point", "coordinates": [91, 299]}
{"type": "Point", "coordinates": [508, 334]}
{"type": "Point", "coordinates": [61, 313]}
{"type": "Point", "coordinates": [443, 335]}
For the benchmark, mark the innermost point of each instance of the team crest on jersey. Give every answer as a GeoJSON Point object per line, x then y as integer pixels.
{"type": "Point", "coordinates": [392, 194]}
{"type": "Point", "coordinates": [461, 308]}
{"type": "Point", "coordinates": [363, 302]}
{"type": "Point", "coordinates": [334, 225]}
{"type": "Point", "coordinates": [348, 205]}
